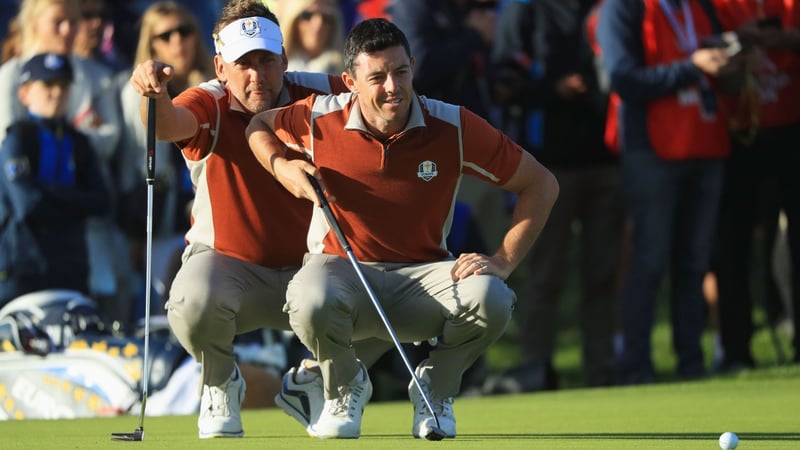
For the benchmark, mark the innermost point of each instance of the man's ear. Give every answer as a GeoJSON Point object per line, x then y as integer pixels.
{"type": "Point", "coordinates": [219, 68]}
{"type": "Point", "coordinates": [22, 93]}
{"type": "Point", "coordinates": [284, 60]}
{"type": "Point", "coordinates": [349, 81]}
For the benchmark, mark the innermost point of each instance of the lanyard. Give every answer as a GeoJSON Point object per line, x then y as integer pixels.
{"type": "Point", "coordinates": [687, 37]}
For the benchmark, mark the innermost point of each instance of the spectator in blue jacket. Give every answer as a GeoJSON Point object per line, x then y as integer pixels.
{"type": "Point", "coordinates": [49, 185]}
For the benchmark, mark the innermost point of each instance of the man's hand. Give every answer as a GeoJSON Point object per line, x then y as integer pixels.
{"type": "Point", "coordinates": [570, 86]}
{"type": "Point", "coordinates": [293, 175]}
{"type": "Point", "coordinates": [710, 60]}
{"type": "Point", "coordinates": [469, 264]}
{"type": "Point", "coordinates": [150, 78]}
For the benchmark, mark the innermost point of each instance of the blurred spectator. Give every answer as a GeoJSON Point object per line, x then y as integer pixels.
{"type": "Point", "coordinates": [12, 43]}
{"type": "Point", "coordinates": [206, 11]}
{"type": "Point", "coordinates": [8, 11]}
{"type": "Point", "coordinates": [673, 143]}
{"type": "Point", "coordinates": [451, 40]}
{"type": "Point", "coordinates": [553, 105]}
{"type": "Point", "coordinates": [358, 10]}
{"type": "Point", "coordinates": [313, 33]}
{"type": "Point", "coordinates": [49, 26]}
{"type": "Point", "coordinates": [51, 182]}
{"type": "Point", "coordinates": [765, 120]}
{"type": "Point", "coordinates": [93, 39]}
{"type": "Point", "coordinates": [169, 33]}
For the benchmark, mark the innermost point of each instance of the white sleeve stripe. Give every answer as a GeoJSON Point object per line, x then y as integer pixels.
{"type": "Point", "coordinates": [482, 171]}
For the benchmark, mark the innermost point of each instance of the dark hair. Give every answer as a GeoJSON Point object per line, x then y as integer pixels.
{"type": "Point", "coordinates": [241, 9]}
{"type": "Point", "coordinates": [370, 36]}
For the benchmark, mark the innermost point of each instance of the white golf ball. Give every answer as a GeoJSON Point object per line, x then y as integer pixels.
{"type": "Point", "coordinates": [728, 441]}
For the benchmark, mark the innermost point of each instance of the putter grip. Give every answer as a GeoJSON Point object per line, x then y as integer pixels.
{"type": "Point", "coordinates": [150, 159]}
{"type": "Point", "coordinates": [326, 208]}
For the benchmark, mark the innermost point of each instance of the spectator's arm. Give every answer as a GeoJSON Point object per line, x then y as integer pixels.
{"type": "Point", "coordinates": [619, 32]}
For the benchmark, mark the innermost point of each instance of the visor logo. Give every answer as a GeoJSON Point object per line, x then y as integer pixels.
{"type": "Point", "coordinates": [250, 28]}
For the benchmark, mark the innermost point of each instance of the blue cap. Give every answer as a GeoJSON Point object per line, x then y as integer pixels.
{"type": "Point", "coordinates": [47, 67]}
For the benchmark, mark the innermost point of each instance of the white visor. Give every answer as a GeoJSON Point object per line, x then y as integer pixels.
{"type": "Point", "coordinates": [246, 35]}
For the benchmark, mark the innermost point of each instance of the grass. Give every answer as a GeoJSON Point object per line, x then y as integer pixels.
{"type": "Point", "coordinates": [760, 406]}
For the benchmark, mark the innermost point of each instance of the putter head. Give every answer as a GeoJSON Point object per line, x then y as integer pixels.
{"type": "Point", "coordinates": [436, 434]}
{"type": "Point", "coordinates": [137, 435]}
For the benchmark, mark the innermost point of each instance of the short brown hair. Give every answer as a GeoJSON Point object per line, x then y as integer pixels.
{"type": "Point", "coordinates": [240, 9]}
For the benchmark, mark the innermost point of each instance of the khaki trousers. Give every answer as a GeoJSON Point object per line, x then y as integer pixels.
{"type": "Point", "coordinates": [329, 308]}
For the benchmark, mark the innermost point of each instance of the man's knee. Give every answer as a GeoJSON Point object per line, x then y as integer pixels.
{"type": "Point", "coordinates": [314, 311]}
{"type": "Point", "coordinates": [499, 305]}
{"type": "Point", "coordinates": [194, 315]}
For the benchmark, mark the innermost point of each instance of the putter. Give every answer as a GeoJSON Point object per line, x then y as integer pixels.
{"type": "Point", "coordinates": [436, 433]}
{"type": "Point", "coordinates": [150, 163]}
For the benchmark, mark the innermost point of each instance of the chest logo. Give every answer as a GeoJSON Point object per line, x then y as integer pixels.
{"type": "Point", "coordinates": [427, 170]}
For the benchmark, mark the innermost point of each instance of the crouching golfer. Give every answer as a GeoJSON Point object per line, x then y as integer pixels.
{"type": "Point", "coordinates": [248, 234]}
{"type": "Point", "coordinates": [393, 161]}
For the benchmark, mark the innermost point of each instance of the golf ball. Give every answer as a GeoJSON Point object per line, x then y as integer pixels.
{"type": "Point", "coordinates": [728, 440]}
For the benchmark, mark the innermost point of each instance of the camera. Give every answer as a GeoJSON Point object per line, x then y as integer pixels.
{"type": "Point", "coordinates": [729, 41]}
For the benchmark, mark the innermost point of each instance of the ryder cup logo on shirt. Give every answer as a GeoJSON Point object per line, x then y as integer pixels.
{"type": "Point", "coordinates": [427, 170]}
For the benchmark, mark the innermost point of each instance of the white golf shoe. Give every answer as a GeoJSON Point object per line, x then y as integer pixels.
{"type": "Point", "coordinates": [220, 408]}
{"type": "Point", "coordinates": [423, 419]}
{"type": "Point", "coordinates": [303, 401]}
{"type": "Point", "coordinates": [341, 417]}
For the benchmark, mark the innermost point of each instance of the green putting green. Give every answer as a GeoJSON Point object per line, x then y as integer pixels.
{"type": "Point", "coordinates": [761, 406]}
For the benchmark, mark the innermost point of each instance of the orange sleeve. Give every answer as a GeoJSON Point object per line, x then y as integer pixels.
{"type": "Point", "coordinates": [204, 108]}
{"type": "Point", "coordinates": [292, 123]}
{"type": "Point", "coordinates": [488, 153]}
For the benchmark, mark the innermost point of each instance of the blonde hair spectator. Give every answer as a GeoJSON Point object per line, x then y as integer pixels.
{"type": "Point", "coordinates": [313, 32]}
{"type": "Point", "coordinates": [164, 23]}
{"type": "Point", "coordinates": [43, 30]}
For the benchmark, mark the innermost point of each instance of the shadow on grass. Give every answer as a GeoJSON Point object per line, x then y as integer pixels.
{"type": "Point", "coordinates": [637, 436]}
{"type": "Point", "coordinates": [789, 436]}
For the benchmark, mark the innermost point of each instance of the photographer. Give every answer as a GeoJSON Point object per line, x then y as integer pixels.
{"type": "Point", "coordinates": [673, 143]}
{"type": "Point", "coordinates": [760, 177]}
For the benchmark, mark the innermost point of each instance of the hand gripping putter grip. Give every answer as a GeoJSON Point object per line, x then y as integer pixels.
{"type": "Point", "coordinates": [150, 163]}
{"type": "Point", "coordinates": [436, 433]}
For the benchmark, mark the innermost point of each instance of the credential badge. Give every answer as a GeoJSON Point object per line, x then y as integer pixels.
{"type": "Point", "coordinates": [17, 167]}
{"type": "Point", "coordinates": [427, 170]}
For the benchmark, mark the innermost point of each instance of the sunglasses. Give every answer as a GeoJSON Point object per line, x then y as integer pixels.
{"type": "Point", "coordinates": [183, 30]}
{"type": "Point", "coordinates": [89, 15]}
{"type": "Point", "coordinates": [305, 16]}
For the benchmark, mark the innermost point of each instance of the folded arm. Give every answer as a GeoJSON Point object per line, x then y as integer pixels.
{"type": "Point", "coordinates": [270, 151]}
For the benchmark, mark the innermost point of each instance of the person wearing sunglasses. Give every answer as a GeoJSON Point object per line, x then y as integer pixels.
{"type": "Point", "coordinates": [93, 34]}
{"type": "Point", "coordinates": [314, 31]}
{"type": "Point", "coordinates": [168, 33]}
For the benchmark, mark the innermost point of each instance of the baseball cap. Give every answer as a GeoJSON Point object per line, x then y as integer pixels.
{"type": "Point", "coordinates": [47, 67]}
{"type": "Point", "coordinates": [248, 34]}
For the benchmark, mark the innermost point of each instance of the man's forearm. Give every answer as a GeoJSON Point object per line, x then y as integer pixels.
{"type": "Point", "coordinates": [264, 144]}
